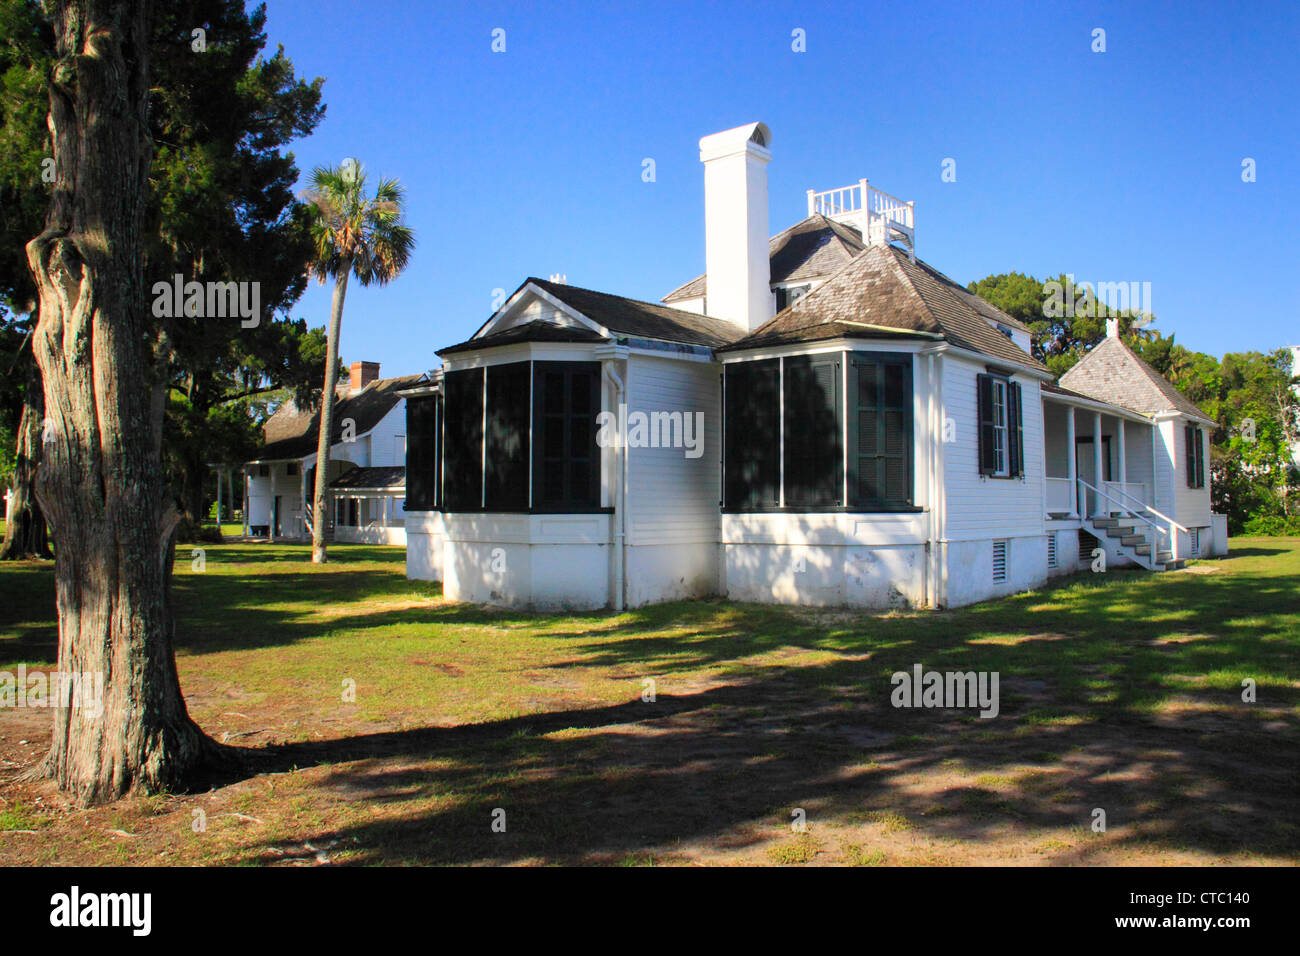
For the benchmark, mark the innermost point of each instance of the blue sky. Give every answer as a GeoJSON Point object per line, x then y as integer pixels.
{"type": "Point", "coordinates": [1115, 166]}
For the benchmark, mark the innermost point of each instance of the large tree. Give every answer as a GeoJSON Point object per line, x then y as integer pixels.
{"type": "Point", "coordinates": [103, 360]}
{"type": "Point", "coordinates": [1060, 336]}
{"type": "Point", "coordinates": [355, 234]}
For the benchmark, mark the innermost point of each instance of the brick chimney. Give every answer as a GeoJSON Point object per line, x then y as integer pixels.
{"type": "Point", "coordinates": [362, 374]}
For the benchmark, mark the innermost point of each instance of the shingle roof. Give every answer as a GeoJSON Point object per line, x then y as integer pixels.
{"type": "Point", "coordinates": [292, 431]}
{"type": "Point", "coordinates": [390, 477]}
{"type": "Point", "coordinates": [881, 292]}
{"type": "Point", "coordinates": [539, 330]}
{"type": "Point", "coordinates": [649, 320]}
{"type": "Point", "coordinates": [631, 317]}
{"type": "Point", "coordinates": [817, 246]}
{"type": "Point", "coordinates": [1112, 372]}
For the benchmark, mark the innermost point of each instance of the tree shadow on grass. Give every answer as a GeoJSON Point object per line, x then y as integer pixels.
{"type": "Point", "coordinates": [1119, 693]}
{"type": "Point", "coordinates": [727, 766]}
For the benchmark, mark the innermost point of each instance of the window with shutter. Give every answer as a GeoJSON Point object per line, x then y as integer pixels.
{"type": "Point", "coordinates": [880, 430]}
{"type": "Point", "coordinates": [814, 455]}
{"type": "Point", "coordinates": [507, 437]}
{"type": "Point", "coordinates": [1200, 458]}
{"type": "Point", "coordinates": [566, 458]}
{"type": "Point", "coordinates": [463, 440]}
{"type": "Point", "coordinates": [752, 438]}
{"type": "Point", "coordinates": [1001, 429]}
{"type": "Point", "coordinates": [1195, 454]}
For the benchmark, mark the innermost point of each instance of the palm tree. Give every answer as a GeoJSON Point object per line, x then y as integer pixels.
{"type": "Point", "coordinates": [359, 235]}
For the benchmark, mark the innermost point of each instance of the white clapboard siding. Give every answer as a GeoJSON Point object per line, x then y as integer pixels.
{"type": "Point", "coordinates": [672, 498]}
{"type": "Point", "coordinates": [979, 507]}
{"type": "Point", "coordinates": [1191, 505]}
{"type": "Point", "coordinates": [384, 448]}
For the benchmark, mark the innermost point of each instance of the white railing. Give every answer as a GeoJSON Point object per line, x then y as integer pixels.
{"type": "Point", "coordinates": [890, 207]}
{"type": "Point", "coordinates": [1058, 496]}
{"type": "Point", "coordinates": [1140, 514]}
{"type": "Point", "coordinates": [866, 204]}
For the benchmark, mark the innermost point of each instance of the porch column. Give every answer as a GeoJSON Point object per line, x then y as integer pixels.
{"type": "Point", "coordinates": [219, 477]}
{"type": "Point", "coordinates": [1121, 427]}
{"type": "Point", "coordinates": [1099, 508]}
{"type": "Point", "coordinates": [302, 498]}
{"type": "Point", "coordinates": [1073, 470]}
{"type": "Point", "coordinates": [246, 488]}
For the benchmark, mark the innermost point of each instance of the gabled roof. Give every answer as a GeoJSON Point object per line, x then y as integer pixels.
{"type": "Point", "coordinates": [538, 330]}
{"type": "Point", "coordinates": [1112, 372]}
{"type": "Point", "coordinates": [622, 316]}
{"type": "Point", "coordinates": [393, 476]}
{"type": "Point", "coordinates": [882, 291]}
{"type": "Point", "coordinates": [817, 246]}
{"type": "Point", "coordinates": [292, 431]}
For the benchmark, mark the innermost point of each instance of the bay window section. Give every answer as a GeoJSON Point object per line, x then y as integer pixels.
{"type": "Point", "coordinates": [423, 454]}
{"type": "Point", "coordinates": [752, 435]}
{"type": "Point", "coordinates": [506, 437]}
{"type": "Point", "coordinates": [880, 439]}
{"type": "Point", "coordinates": [814, 454]}
{"type": "Point", "coordinates": [824, 432]}
{"type": "Point", "coordinates": [566, 466]}
{"type": "Point", "coordinates": [515, 437]}
{"type": "Point", "coordinates": [462, 457]}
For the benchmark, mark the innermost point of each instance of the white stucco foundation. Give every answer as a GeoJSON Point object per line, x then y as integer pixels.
{"type": "Point", "coordinates": [825, 560]}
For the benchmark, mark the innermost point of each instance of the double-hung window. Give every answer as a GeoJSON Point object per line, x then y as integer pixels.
{"type": "Point", "coordinates": [1001, 433]}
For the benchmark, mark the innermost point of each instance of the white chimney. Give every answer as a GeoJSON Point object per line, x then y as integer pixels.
{"type": "Point", "coordinates": [735, 225]}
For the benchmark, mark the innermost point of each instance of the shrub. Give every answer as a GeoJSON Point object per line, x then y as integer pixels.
{"type": "Point", "coordinates": [1272, 525]}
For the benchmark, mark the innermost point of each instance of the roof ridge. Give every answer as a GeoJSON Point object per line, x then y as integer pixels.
{"type": "Point", "coordinates": [625, 298]}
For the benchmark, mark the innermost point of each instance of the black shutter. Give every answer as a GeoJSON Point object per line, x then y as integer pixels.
{"type": "Point", "coordinates": [421, 453]}
{"type": "Point", "coordinates": [1202, 439]}
{"type": "Point", "coordinates": [506, 440]}
{"type": "Point", "coordinates": [463, 440]}
{"type": "Point", "coordinates": [988, 456]}
{"type": "Point", "coordinates": [814, 455]}
{"type": "Point", "coordinates": [751, 435]}
{"type": "Point", "coordinates": [566, 458]}
{"type": "Point", "coordinates": [1189, 442]}
{"type": "Point", "coordinates": [1015, 431]}
{"type": "Point", "coordinates": [880, 431]}
{"type": "Point", "coordinates": [1196, 457]}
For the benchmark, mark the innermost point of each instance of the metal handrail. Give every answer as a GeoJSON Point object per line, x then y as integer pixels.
{"type": "Point", "coordinates": [1173, 540]}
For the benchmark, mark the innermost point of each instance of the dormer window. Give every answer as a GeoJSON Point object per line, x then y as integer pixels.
{"type": "Point", "coordinates": [787, 296]}
{"type": "Point", "coordinates": [1004, 329]}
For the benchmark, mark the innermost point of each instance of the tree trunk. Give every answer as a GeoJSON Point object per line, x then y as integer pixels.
{"type": "Point", "coordinates": [318, 517]}
{"type": "Point", "coordinates": [25, 523]}
{"type": "Point", "coordinates": [103, 360]}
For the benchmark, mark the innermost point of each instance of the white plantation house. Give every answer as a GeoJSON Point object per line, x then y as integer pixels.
{"type": "Point", "coordinates": [367, 465]}
{"type": "Point", "coordinates": [821, 418]}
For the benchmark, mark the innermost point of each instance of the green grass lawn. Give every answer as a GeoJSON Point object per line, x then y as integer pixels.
{"type": "Point", "coordinates": [1120, 691]}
